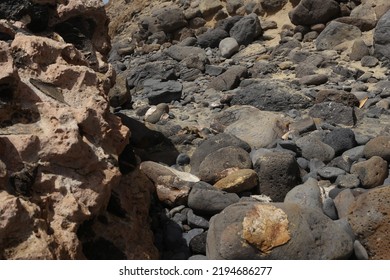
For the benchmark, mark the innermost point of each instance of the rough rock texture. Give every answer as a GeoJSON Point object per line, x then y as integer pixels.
{"type": "Point", "coordinates": [381, 37]}
{"type": "Point", "coordinates": [370, 222]}
{"type": "Point", "coordinates": [275, 231]}
{"type": "Point", "coordinates": [336, 33]}
{"type": "Point", "coordinates": [59, 142]}
{"type": "Point", "coordinates": [310, 12]}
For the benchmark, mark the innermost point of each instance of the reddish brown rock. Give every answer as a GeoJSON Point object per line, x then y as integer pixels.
{"type": "Point", "coordinates": [370, 221]}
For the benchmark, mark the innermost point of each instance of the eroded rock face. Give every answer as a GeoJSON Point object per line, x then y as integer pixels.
{"type": "Point", "coordinates": [59, 142]}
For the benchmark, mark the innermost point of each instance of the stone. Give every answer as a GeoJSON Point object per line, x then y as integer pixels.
{"type": "Point", "coordinates": [172, 186]}
{"type": "Point", "coordinates": [330, 209]}
{"type": "Point", "coordinates": [223, 162]}
{"type": "Point", "coordinates": [364, 24]}
{"type": "Point", "coordinates": [339, 96]}
{"type": "Point", "coordinates": [198, 244]}
{"type": "Point", "coordinates": [204, 199]}
{"type": "Point", "coordinates": [209, 7]}
{"type": "Point", "coordinates": [310, 12]}
{"type": "Point", "coordinates": [343, 202]}
{"type": "Point", "coordinates": [378, 146]}
{"type": "Point", "coordinates": [330, 173]}
{"type": "Point", "coordinates": [229, 79]}
{"type": "Point", "coordinates": [307, 194]}
{"type": "Point", "coordinates": [188, 236]}
{"type": "Point", "coordinates": [303, 125]}
{"type": "Point", "coordinates": [381, 37]}
{"type": "Point", "coordinates": [341, 139]}
{"type": "Point", "coordinates": [246, 30]}
{"type": "Point", "coordinates": [180, 53]}
{"type": "Point", "coordinates": [212, 38]}
{"type": "Point", "coordinates": [314, 148]}
{"type": "Point", "coordinates": [273, 5]}
{"type": "Point", "coordinates": [158, 91]}
{"type": "Point", "coordinates": [278, 173]}
{"type": "Point", "coordinates": [348, 181]}
{"type": "Point", "coordinates": [369, 61]}
{"type": "Point", "coordinates": [336, 33]}
{"type": "Point", "coordinates": [270, 95]}
{"type": "Point", "coordinates": [228, 47]}
{"type": "Point", "coordinates": [196, 221]}
{"type": "Point", "coordinates": [370, 222]}
{"type": "Point", "coordinates": [315, 79]}
{"type": "Point", "coordinates": [333, 113]}
{"type": "Point", "coordinates": [213, 144]}
{"type": "Point", "coordinates": [359, 50]}
{"type": "Point", "coordinates": [154, 114]}
{"type": "Point", "coordinates": [253, 230]}
{"type": "Point", "coordinates": [372, 173]}
{"type": "Point", "coordinates": [360, 251]}
{"type": "Point", "coordinates": [242, 122]}
{"type": "Point", "coordinates": [238, 181]}
{"type": "Point", "coordinates": [169, 19]}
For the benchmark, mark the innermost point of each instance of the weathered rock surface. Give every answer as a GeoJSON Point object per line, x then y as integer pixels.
{"type": "Point", "coordinates": [60, 143]}
{"type": "Point", "coordinates": [310, 12]}
{"type": "Point", "coordinates": [369, 220]}
{"type": "Point", "coordinates": [252, 230]}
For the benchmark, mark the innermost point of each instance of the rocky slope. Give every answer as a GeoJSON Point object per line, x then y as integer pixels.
{"type": "Point", "coordinates": [263, 125]}
{"type": "Point", "coordinates": [61, 187]}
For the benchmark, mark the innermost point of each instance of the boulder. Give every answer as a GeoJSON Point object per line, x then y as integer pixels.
{"type": "Point", "coordinates": [382, 38]}
{"type": "Point", "coordinates": [313, 148]}
{"type": "Point", "coordinates": [228, 47]}
{"type": "Point", "coordinates": [310, 12]}
{"type": "Point", "coordinates": [336, 33]}
{"type": "Point", "coordinates": [370, 221]}
{"type": "Point", "coordinates": [282, 231]}
{"type": "Point", "coordinates": [238, 181]}
{"type": "Point", "coordinates": [307, 194]}
{"type": "Point", "coordinates": [378, 146]}
{"type": "Point", "coordinates": [246, 30]}
{"type": "Point", "coordinates": [278, 173]}
{"type": "Point", "coordinates": [229, 79]}
{"type": "Point", "coordinates": [158, 91]}
{"type": "Point", "coordinates": [372, 173]}
{"type": "Point", "coordinates": [243, 122]}
{"type": "Point", "coordinates": [334, 113]}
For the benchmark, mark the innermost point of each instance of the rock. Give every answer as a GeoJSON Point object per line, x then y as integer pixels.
{"type": "Point", "coordinates": [188, 236]}
{"type": "Point", "coordinates": [370, 222]}
{"type": "Point", "coordinates": [343, 202]}
{"type": "Point", "coordinates": [369, 61]}
{"type": "Point", "coordinates": [172, 186]}
{"type": "Point", "coordinates": [154, 114]}
{"type": "Point", "coordinates": [313, 147]}
{"type": "Point", "coordinates": [158, 70]}
{"type": "Point", "coordinates": [270, 95]}
{"type": "Point", "coordinates": [334, 113]}
{"type": "Point", "coordinates": [378, 146]}
{"type": "Point", "coordinates": [169, 19]}
{"type": "Point", "coordinates": [198, 244]}
{"type": "Point", "coordinates": [252, 230]}
{"type": "Point", "coordinates": [330, 209]}
{"type": "Point", "coordinates": [310, 12]}
{"type": "Point", "coordinates": [158, 91]}
{"type": "Point", "coordinates": [372, 172]}
{"type": "Point", "coordinates": [223, 162]}
{"type": "Point", "coordinates": [360, 251]}
{"type": "Point", "coordinates": [336, 33]}
{"type": "Point", "coordinates": [381, 37]}
{"type": "Point", "coordinates": [204, 199]}
{"type": "Point", "coordinates": [241, 121]}
{"type": "Point", "coordinates": [209, 7]}
{"type": "Point", "coordinates": [238, 181]}
{"type": "Point", "coordinates": [212, 38]}
{"type": "Point", "coordinates": [273, 5]}
{"type": "Point", "coordinates": [307, 194]}
{"type": "Point", "coordinates": [361, 23]}
{"type": "Point", "coordinates": [198, 257]}
{"type": "Point", "coordinates": [228, 47]}
{"type": "Point", "coordinates": [183, 159]}
{"type": "Point", "coordinates": [330, 173]}
{"type": "Point", "coordinates": [196, 221]}
{"type": "Point", "coordinates": [348, 181]}
{"type": "Point", "coordinates": [315, 79]}
{"type": "Point", "coordinates": [213, 70]}
{"type": "Point", "coordinates": [339, 96]}
{"type": "Point", "coordinates": [213, 144]}
{"type": "Point", "coordinates": [246, 30]}
{"type": "Point", "coordinates": [180, 53]}
{"type": "Point", "coordinates": [340, 139]}
{"type": "Point", "coordinates": [278, 173]}
{"type": "Point", "coordinates": [303, 125]}
{"type": "Point", "coordinates": [229, 79]}
{"type": "Point", "coordinates": [359, 50]}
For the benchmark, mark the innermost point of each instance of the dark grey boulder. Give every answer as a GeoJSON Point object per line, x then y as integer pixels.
{"type": "Point", "coordinates": [212, 38]}
{"type": "Point", "coordinates": [341, 139]}
{"type": "Point", "coordinates": [382, 37]}
{"type": "Point", "coordinates": [246, 30]}
{"type": "Point", "coordinates": [333, 113]}
{"type": "Point", "coordinates": [310, 12]}
{"type": "Point", "coordinates": [336, 33]}
{"type": "Point", "coordinates": [229, 79]}
{"type": "Point", "coordinates": [278, 173]}
{"type": "Point", "coordinates": [158, 91]}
